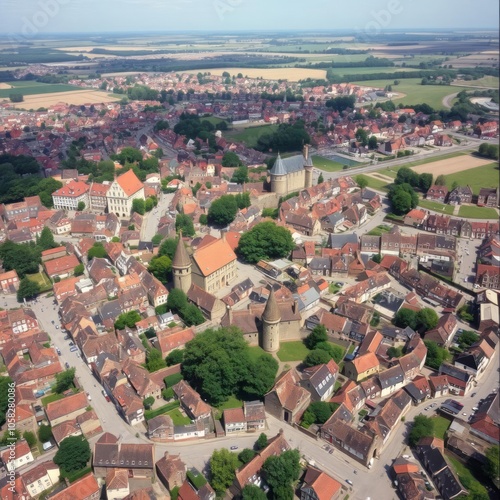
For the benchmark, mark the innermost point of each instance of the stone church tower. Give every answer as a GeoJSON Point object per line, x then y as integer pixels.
{"type": "Point", "coordinates": [181, 267]}
{"type": "Point", "coordinates": [279, 178]}
{"type": "Point", "coordinates": [271, 325]}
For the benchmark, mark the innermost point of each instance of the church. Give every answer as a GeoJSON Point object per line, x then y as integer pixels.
{"type": "Point", "coordinates": [291, 174]}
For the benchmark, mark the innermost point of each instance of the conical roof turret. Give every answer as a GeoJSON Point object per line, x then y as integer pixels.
{"type": "Point", "coordinates": [271, 312]}
{"type": "Point", "coordinates": [278, 167]}
{"type": "Point", "coordinates": [181, 257]}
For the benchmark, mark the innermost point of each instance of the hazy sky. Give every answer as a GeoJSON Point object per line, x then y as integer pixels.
{"type": "Point", "coordinates": [48, 16]}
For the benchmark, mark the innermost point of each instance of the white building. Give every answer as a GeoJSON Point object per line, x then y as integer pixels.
{"type": "Point", "coordinates": [123, 191]}
{"type": "Point", "coordinates": [68, 197]}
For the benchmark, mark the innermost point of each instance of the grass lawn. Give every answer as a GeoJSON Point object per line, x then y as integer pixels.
{"type": "Point", "coordinates": [436, 207]}
{"type": "Point", "coordinates": [467, 479]}
{"type": "Point", "coordinates": [441, 425]}
{"type": "Point", "coordinates": [472, 212]}
{"type": "Point", "coordinates": [178, 418]}
{"type": "Point", "coordinates": [149, 414]}
{"type": "Point", "coordinates": [333, 288]}
{"type": "Point", "coordinates": [415, 92]}
{"type": "Point", "coordinates": [338, 385]}
{"type": "Point", "coordinates": [326, 164]}
{"type": "Point", "coordinates": [212, 119]}
{"type": "Point", "coordinates": [255, 352]}
{"type": "Point", "coordinates": [250, 135]}
{"type": "Point", "coordinates": [476, 178]}
{"type": "Point", "coordinates": [51, 398]}
{"type": "Point", "coordinates": [374, 183]}
{"type": "Point", "coordinates": [293, 351]}
{"type": "Point", "coordinates": [232, 402]}
{"type": "Point", "coordinates": [42, 279]}
{"type": "Point", "coordinates": [379, 230]}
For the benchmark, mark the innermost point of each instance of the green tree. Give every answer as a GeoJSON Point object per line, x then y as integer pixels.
{"type": "Point", "coordinates": [493, 463]}
{"type": "Point", "coordinates": [73, 454]}
{"type": "Point", "coordinates": [223, 465]}
{"type": "Point", "coordinates": [223, 211]}
{"type": "Point", "coordinates": [394, 352]}
{"type": "Point", "coordinates": [81, 206]}
{"type": "Point", "coordinates": [149, 204]}
{"type": "Point", "coordinates": [425, 182]}
{"type": "Point", "coordinates": [319, 412]}
{"type": "Point", "coordinates": [156, 239]}
{"type": "Point", "coordinates": [317, 357]}
{"type": "Point", "coordinates": [154, 360]}
{"type": "Point", "coordinates": [44, 433]}
{"type": "Point", "coordinates": [435, 355]}
{"type": "Point", "coordinates": [406, 317]}
{"type": "Point", "coordinates": [97, 250]}
{"type": "Point", "coordinates": [16, 97]}
{"type": "Point", "coordinates": [467, 338]}
{"type": "Point", "coordinates": [240, 175]}
{"type": "Point", "coordinates": [317, 335]}
{"type": "Point", "coordinates": [216, 363]}
{"type": "Point", "coordinates": [191, 315]}
{"type": "Point", "coordinates": [262, 374]}
{"type": "Point", "coordinates": [23, 258]}
{"type": "Point", "coordinates": [231, 159]}
{"type": "Point", "coordinates": [129, 155]}
{"type": "Point", "coordinates": [175, 357]}
{"type": "Point", "coordinates": [334, 351]}
{"type": "Point", "coordinates": [148, 402]}
{"type": "Point", "coordinates": [64, 380]}
{"type": "Point", "coordinates": [27, 289]}
{"type": "Point", "coordinates": [184, 223]}
{"type": "Point", "coordinates": [4, 397]}
{"type": "Point", "coordinates": [281, 472]}
{"type": "Point", "coordinates": [440, 180]}
{"type": "Point", "coordinates": [139, 206]}
{"type": "Point", "coordinates": [160, 268]}
{"type": "Point", "coordinates": [362, 136]}
{"type": "Point", "coordinates": [406, 175]}
{"type": "Point", "coordinates": [252, 492]}
{"type": "Point", "coordinates": [168, 247]}
{"type": "Point", "coordinates": [372, 142]}
{"type": "Point", "coordinates": [246, 455]}
{"type": "Point", "coordinates": [79, 270]}
{"type": "Point", "coordinates": [321, 179]}
{"type": "Point", "coordinates": [177, 300]}
{"type": "Point", "coordinates": [377, 258]}
{"type": "Point", "coordinates": [265, 241]}
{"type": "Point", "coordinates": [46, 240]}
{"type": "Point", "coordinates": [361, 181]}
{"type": "Point", "coordinates": [422, 427]}
{"type": "Point", "coordinates": [402, 198]}
{"type": "Point", "coordinates": [427, 319]}
{"type": "Point", "coordinates": [203, 219]}
{"type": "Point", "coordinates": [128, 319]}
{"type": "Point", "coordinates": [261, 442]}
{"type": "Point", "coordinates": [243, 200]}
{"type": "Point", "coordinates": [30, 438]}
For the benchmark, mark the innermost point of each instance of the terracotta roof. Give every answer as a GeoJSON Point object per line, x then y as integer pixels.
{"type": "Point", "coordinates": [117, 479]}
{"type": "Point", "coordinates": [323, 485]}
{"type": "Point", "coordinates": [129, 183]}
{"type": "Point", "coordinates": [214, 256]}
{"type": "Point", "coordinates": [51, 251]}
{"type": "Point", "coordinates": [234, 416]}
{"type": "Point", "coordinates": [69, 404]}
{"type": "Point", "coordinates": [365, 362]}
{"type": "Point", "coordinates": [62, 264]}
{"type": "Point", "coordinates": [79, 490]}
{"type": "Point", "coordinates": [72, 188]}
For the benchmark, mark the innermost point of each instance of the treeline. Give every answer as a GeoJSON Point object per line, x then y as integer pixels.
{"type": "Point", "coordinates": [334, 78]}
{"type": "Point", "coordinates": [288, 137]}
{"type": "Point", "coordinates": [290, 97]}
{"type": "Point", "coordinates": [20, 177]}
{"type": "Point", "coordinates": [369, 62]}
{"type": "Point", "coordinates": [35, 56]}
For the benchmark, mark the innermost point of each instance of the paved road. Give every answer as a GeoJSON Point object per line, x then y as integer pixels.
{"type": "Point", "coordinates": [151, 219]}
{"type": "Point", "coordinates": [447, 100]}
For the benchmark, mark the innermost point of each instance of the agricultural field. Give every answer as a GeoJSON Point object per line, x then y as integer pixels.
{"type": "Point", "coordinates": [473, 212]}
{"type": "Point", "coordinates": [436, 207]}
{"type": "Point", "coordinates": [291, 74]}
{"type": "Point", "coordinates": [485, 175]}
{"type": "Point", "coordinates": [415, 93]}
{"type": "Point", "coordinates": [33, 88]}
{"type": "Point", "coordinates": [368, 70]}
{"type": "Point", "coordinates": [250, 135]}
{"type": "Point", "coordinates": [77, 97]}
{"type": "Point", "coordinates": [377, 181]}
{"type": "Point", "coordinates": [452, 165]}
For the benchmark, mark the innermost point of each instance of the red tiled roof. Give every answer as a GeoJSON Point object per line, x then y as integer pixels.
{"type": "Point", "coordinates": [129, 183]}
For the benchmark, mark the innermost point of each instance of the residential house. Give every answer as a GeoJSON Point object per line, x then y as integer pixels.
{"type": "Point", "coordinates": [67, 408]}
{"type": "Point", "coordinates": [439, 385]}
{"type": "Point", "coordinates": [460, 381]}
{"type": "Point", "coordinates": [444, 331]}
{"type": "Point", "coordinates": [171, 471]}
{"type": "Point", "coordinates": [117, 484]}
{"type": "Point", "coordinates": [61, 267]}
{"type": "Point", "coordinates": [362, 366]}
{"type": "Point", "coordinates": [191, 401]}
{"type": "Point", "coordinates": [9, 281]}
{"type": "Point", "coordinates": [85, 488]}
{"type": "Point", "coordinates": [318, 485]}
{"type": "Point", "coordinates": [320, 380]}
{"type": "Point", "coordinates": [460, 195]}
{"type": "Point", "coordinates": [19, 456]}
{"type": "Point", "coordinates": [70, 195]}
{"type": "Point", "coordinates": [40, 478]}
{"type": "Point", "coordinates": [437, 193]}
{"type": "Point", "coordinates": [122, 192]}
{"type": "Point", "coordinates": [255, 415]}
{"type": "Point", "coordinates": [488, 197]}
{"type": "Point", "coordinates": [415, 218]}
{"type": "Point", "coordinates": [234, 421]}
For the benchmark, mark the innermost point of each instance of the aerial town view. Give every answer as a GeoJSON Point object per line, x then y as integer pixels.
{"type": "Point", "coordinates": [249, 250]}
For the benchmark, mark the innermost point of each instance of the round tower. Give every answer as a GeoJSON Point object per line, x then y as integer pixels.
{"type": "Point", "coordinates": [278, 177]}
{"type": "Point", "coordinates": [181, 267]}
{"type": "Point", "coordinates": [271, 325]}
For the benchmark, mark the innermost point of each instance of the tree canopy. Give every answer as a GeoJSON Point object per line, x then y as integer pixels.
{"type": "Point", "coordinates": [139, 206]}
{"type": "Point", "coordinates": [46, 240]}
{"type": "Point", "coordinates": [64, 380]}
{"type": "Point", "coordinates": [281, 472]}
{"type": "Point", "coordinates": [185, 223]}
{"type": "Point", "coordinates": [24, 258]}
{"type": "Point", "coordinates": [265, 241]}
{"type": "Point", "coordinates": [493, 463]}
{"type": "Point", "coordinates": [288, 137]}
{"type": "Point", "coordinates": [422, 427]}
{"type": "Point", "coordinates": [231, 159]}
{"type": "Point", "coordinates": [168, 247]}
{"type": "Point", "coordinates": [435, 355]}
{"type": "Point", "coordinates": [406, 317]}
{"type": "Point", "coordinates": [223, 465]}
{"type": "Point", "coordinates": [160, 268]}
{"type": "Point", "coordinates": [73, 454]}
{"type": "Point", "coordinates": [223, 210]}
{"type": "Point", "coordinates": [28, 289]}
{"type": "Point", "coordinates": [252, 492]}
{"type": "Point", "coordinates": [403, 198]}
{"type": "Point", "coordinates": [97, 250]}
{"type": "Point", "coordinates": [128, 319]}
{"type": "Point", "coordinates": [427, 319]}
{"type": "Point", "coordinates": [317, 357]}
{"type": "Point", "coordinates": [317, 335]}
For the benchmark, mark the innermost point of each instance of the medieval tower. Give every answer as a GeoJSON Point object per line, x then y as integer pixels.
{"type": "Point", "coordinates": [291, 174]}
{"type": "Point", "coordinates": [271, 325]}
{"type": "Point", "coordinates": [181, 267]}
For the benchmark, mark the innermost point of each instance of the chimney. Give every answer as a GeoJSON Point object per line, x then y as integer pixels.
{"type": "Point", "coordinates": [306, 151]}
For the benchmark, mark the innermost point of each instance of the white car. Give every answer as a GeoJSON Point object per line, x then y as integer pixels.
{"type": "Point", "coordinates": [406, 456]}
{"type": "Point", "coordinates": [348, 481]}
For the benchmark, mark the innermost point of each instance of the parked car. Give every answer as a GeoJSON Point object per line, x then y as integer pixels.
{"type": "Point", "coordinates": [74, 348]}
{"type": "Point", "coordinates": [66, 365]}
{"type": "Point", "coordinates": [89, 397]}
{"type": "Point", "coordinates": [57, 327]}
{"type": "Point", "coordinates": [234, 447]}
{"type": "Point", "coordinates": [71, 344]}
{"type": "Point", "coordinates": [348, 481]}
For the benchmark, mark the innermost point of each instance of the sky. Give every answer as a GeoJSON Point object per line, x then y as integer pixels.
{"type": "Point", "coordinates": [94, 16]}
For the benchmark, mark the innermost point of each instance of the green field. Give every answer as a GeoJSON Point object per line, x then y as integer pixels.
{"type": "Point", "coordinates": [378, 184]}
{"type": "Point", "coordinates": [178, 418]}
{"type": "Point", "coordinates": [255, 352]}
{"type": "Point", "coordinates": [379, 230]}
{"type": "Point", "coordinates": [293, 351]}
{"type": "Point", "coordinates": [250, 135]}
{"type": "Point", "coordinates": [473, 212]}
{"type": "Point", "coordinates": [436, 207]}
{"type": "Point", "coordinates": [326, 164]}
{"type": "Point", "coordinates": [42, 279]}
{"type": "Point", "coordinates": [31, 88]}
{"type": "Point", "coordinates": [232, 402]}
{"type": "Point", "coordinates": [476, 178]}
{"type": "Point", "coordinates": [416, 93]}
{"type": "Point", "coordinates": [369, 70]}
{"type": "Point", "coordinates": [51, 398]}
{"type": "Point", "coordinates": [441, 425]}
